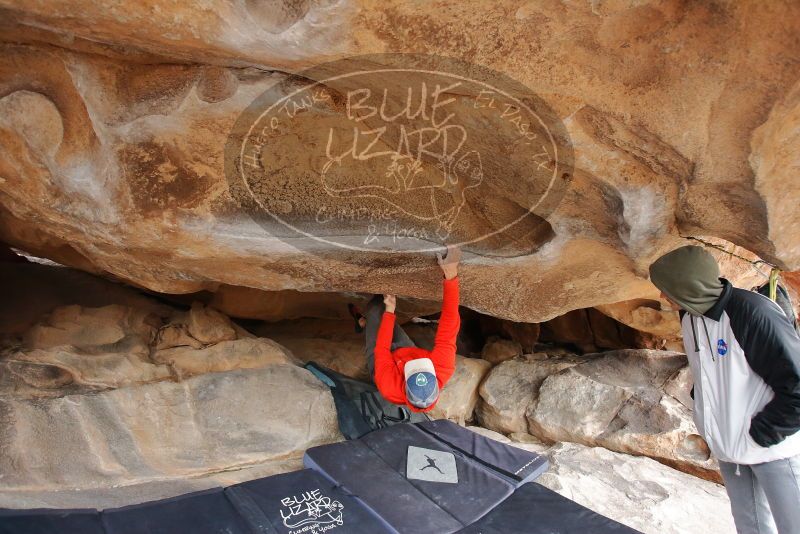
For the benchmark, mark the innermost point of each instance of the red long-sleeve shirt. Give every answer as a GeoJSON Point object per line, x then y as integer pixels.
{"type": "Point", "coordinates": [389, 376]}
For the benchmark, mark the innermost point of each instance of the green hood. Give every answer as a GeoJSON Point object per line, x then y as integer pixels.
{"type": "Point", "coordinates": [689, 276]}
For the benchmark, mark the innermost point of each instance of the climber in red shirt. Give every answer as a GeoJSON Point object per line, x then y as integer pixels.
{"type": "Point", "coordinates": [404, 373]}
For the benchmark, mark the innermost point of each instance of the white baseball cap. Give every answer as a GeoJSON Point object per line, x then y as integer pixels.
{"type": "Point", "coordinates": [422, 388]}
{"type": "Point", "coordinates": [419, 365]}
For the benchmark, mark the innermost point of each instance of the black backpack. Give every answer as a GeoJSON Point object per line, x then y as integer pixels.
{"type": "Point", "coordinates": [783, 300]}
{"type": "Point", "coordinates": [360, 408]}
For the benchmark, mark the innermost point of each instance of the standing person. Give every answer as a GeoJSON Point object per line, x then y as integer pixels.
{"type": "Point", "coordinates": [745, 360]}
{"type": "Point", "coordinates": [404, 373]}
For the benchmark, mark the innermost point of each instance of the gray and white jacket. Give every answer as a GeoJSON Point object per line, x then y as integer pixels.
{"type": "Point", "coordinates": [745, 361]}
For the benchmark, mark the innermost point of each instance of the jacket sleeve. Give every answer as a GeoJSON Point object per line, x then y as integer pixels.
{"type": "Point", "coordinates": [388, 379]}
{"type": "Point", "coordinates": [443, 354]}
{"type": "Point", "coordinates": [772, 349]}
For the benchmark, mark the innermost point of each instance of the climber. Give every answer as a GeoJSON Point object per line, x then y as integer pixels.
{"type": "Point", "coordinates": [744, 356]}
{"type": "Point", "coordinates": [403, 373]}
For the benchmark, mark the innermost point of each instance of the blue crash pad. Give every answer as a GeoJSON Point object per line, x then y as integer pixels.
{"type": "Point", "coordinates": [517, 465]}
{"type": "Point", "coordinates": [204, 512]}
{"type": "Point", "coordinates": [430, 478]}
{"type": "Point", "coordinates": [302, 501]}
{"type": "Point", "coordinates": [374, 469]}
{"type": "Point", "coordinates": [48, 521]}
{"type": "Point", "coordinates": [535, 509]}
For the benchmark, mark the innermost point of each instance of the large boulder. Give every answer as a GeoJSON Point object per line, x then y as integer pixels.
{"type": "Point", "coordinates": [46, 373]}
{"type": "Point", "coordinates": [638, 492]}
{"type": "Point", "coordinates": [164, 430]}
{"type": "Point", "coordinates": [617, 400]}
{"type": "Point", "coordinates": [512, 387]}
{"type": "Point", "coordinates": [632, 401]}
{"type": "Point", "coordinates": [460, 395]}
{"type": "Point", "coordinates": [86, 328]}
{"type": "Point", "coordinates": [114, 119]}
{"type": "Point", "coordinates": [138, 395]}
{"type": "Point", "coordinates": [497, 350]}
{"type": "Point", "coordinates": [75, 348]}
{"type": "Point", "coordinates": [246, 353]}
{"type": "Point", "coordinates": [207, 325]}
{"type": "Point", "coordinates": [345, 356]}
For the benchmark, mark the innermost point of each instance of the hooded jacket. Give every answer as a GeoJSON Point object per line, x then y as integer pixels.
{"type": "Point", "coordinates": [745, 360]}
{"type": "Point", "coordinates": [389, 376]}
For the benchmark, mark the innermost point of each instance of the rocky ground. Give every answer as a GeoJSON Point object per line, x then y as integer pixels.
{"type": "Point", "coordinates": [114, 397]}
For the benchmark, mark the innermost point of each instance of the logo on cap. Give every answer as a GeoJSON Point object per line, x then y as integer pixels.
{"type": "Point", "coordinates": [421, 380]}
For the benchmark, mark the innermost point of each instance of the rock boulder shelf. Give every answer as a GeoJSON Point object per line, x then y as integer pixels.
{"type": "Point", "coordinates": [682, 117]}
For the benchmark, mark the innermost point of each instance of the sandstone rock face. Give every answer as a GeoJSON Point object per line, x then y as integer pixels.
{"type": "Point", "coordinates": [617, 401]}
{"type": "Point", "coordinates": [113, 122]}
{"type": "Point", "coordinates": [85, 328]}
{"type": "Point", "coordinates": [679, 387]}
{"type": "Point", "coordinates": [342, 355]}
{"type": "Point", "coordinates": [116, 346]}
{"type": "Point", "coordinates": [289, 305]}
{"type": "Point", "coordinates": [589, 331]}
{"type": "Point", "coordinates": [498, 350]}
{"type": "Point", "coordinates": [646, 316]}
{"type": "Point", "coordinates": [205, 424]}
{"type": "Point", "coordinates": [628, 401]}
{"type": "Point", "coordinates": [32, 290]}
{"type": "Point", "coordinates": [638, 492]}
{"type": "Point", "coordinates": [207, 325]}
{"type": "Point", "coordinates": [224, 356]}
{"type": "Point", "coordinates": [137, 395]}
{"type": "Point", "coordinates": [511, 387]}
{"type": "Point", "coordinates": [460, 395]}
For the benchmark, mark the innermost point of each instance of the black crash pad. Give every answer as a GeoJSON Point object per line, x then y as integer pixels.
{"type": "Point", "coordinates": [203, 512]}
{"type": "Point", "coordinates": [430, 478]}
{"type": "Point", "coordinates": [517, 465]}
{"type": "Point", "coordinates": [374, 469]}
{"type": "Point", "coordinates": [49, 521]}
{"type": "Point", "coordinates": [302, 501]}
{"type": "Point", "coordinates": [535, 509]}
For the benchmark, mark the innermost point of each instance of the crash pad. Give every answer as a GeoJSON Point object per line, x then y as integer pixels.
{"type": "Point", "coordinates": [375, 468]}
{"type": "Point", "coordinates": [516, 465]}
{"type": "Point", "coordinates": [535, 509]}
{"type": "Point", "coordinates": [49, 521]}
{"type": "Point", "coordinates": [432, 477]}
{"type": "Point", "coordinates": [302, 501]}
{"type": "Point", "coordinates": [204, 512]}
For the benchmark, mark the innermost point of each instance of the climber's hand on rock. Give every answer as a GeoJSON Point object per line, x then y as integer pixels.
{"type": "Point", "coordinates": [449, 263]}
{"type": "Point", "coordinates": [389, 301]}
